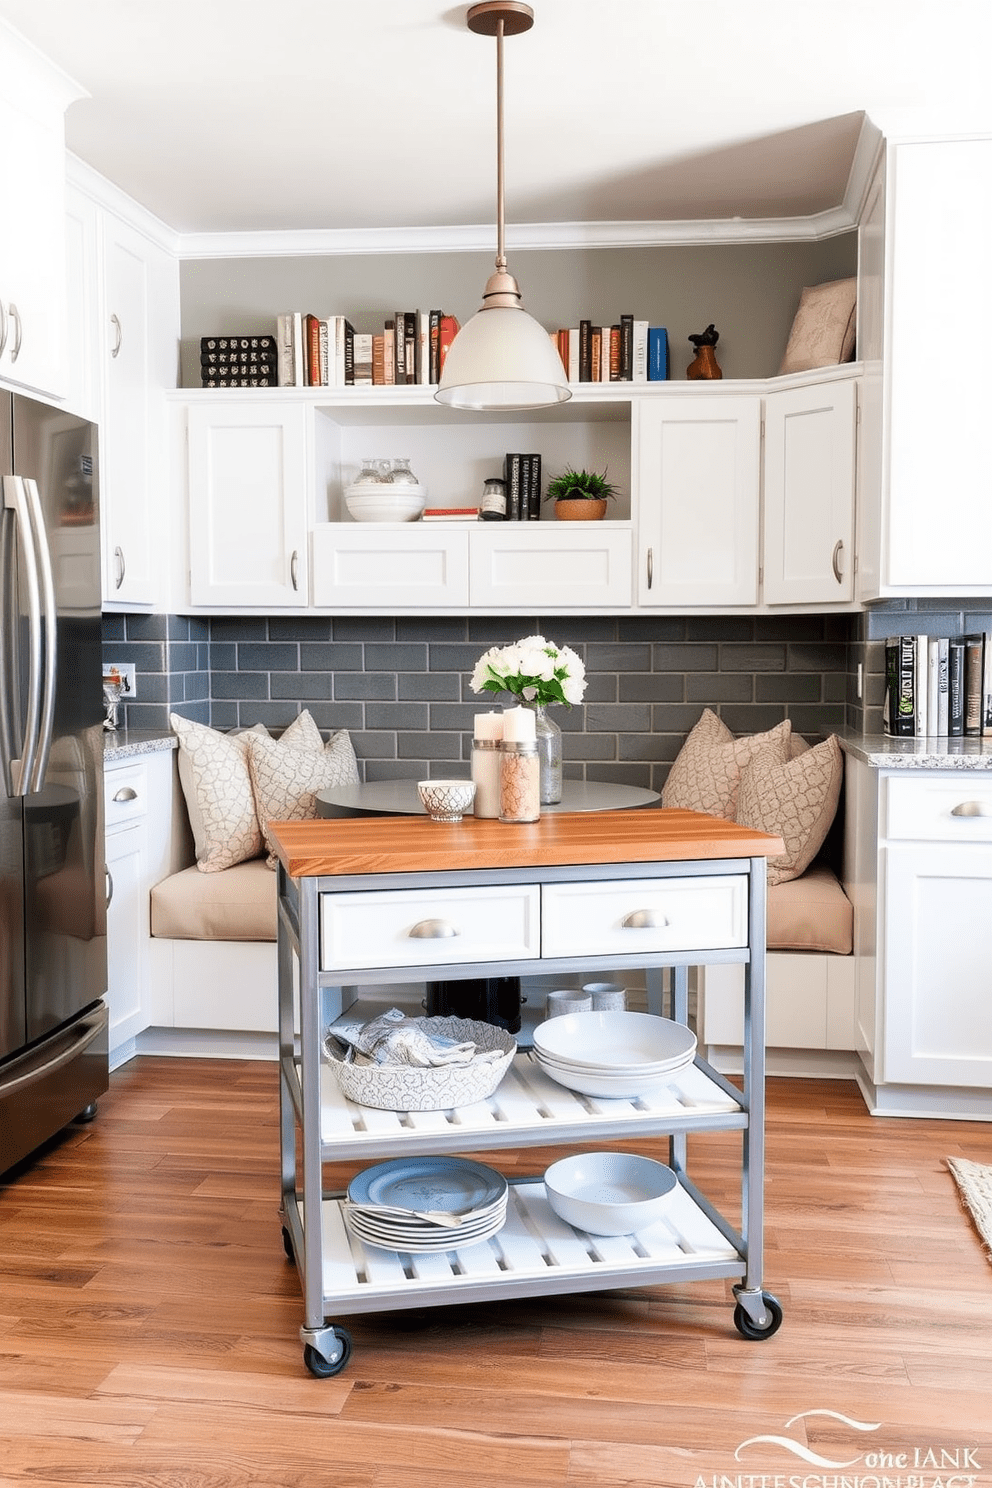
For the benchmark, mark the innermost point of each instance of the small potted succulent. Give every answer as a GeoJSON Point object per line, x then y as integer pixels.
{"type": "Point", "coordinates": [579, 495]}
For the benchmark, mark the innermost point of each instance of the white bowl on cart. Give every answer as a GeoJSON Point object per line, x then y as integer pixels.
{"type": "Point", "coordinates": [609, 1193]}
{"type": "Point", "coordinates": [615, 1042]}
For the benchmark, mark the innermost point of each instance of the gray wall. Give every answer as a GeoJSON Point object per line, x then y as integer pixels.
{"type": "Point", "coordinates": [750, 292]}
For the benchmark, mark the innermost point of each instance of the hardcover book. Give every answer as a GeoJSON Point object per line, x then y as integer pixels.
{"type": "Point", "coordinates": [657, 354]}
{"type": "Point", "coordinates": [974, 671]}
{"type": "Point", "coordinates": [955, 688]}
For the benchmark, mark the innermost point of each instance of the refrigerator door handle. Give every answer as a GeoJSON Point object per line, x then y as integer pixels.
{"type": "Point", "coordinates": [50, 639]}
{"type": "Point", "coordinates": [82, 1035]}
{"type": "Point", "coordinates": [15, 499]}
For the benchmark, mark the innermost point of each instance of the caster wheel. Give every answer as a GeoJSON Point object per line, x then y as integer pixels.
{"type": "Point", "coordinates": [319, 1366]}
{"type": "Point", "coordinates": [88, 1113]}
{"type": "Point", "coordinates": [748, 1328]}
{"type": "Point", "coordinates": [287, 1245]}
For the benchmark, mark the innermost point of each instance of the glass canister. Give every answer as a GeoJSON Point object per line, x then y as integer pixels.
{"type": "Point", "coordinates": [519, 781]}
{"type": "Point", "coordinates": [401, 474]}
{"type": "Point", "coordinates": [493, 508]}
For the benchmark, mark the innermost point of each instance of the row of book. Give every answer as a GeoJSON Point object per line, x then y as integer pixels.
{"type": "Point", "coordinates": [313, 351]}
{"type": "Point", "coordinates": [938, 686]}
{"type": "Point", "coordinates": [628, 351]}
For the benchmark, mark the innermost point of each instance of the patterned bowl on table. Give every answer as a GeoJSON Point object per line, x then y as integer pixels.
{"type": "Point", "coordinates": [409, 1087]}
{"type": "Point", "coordinates": [446, 800]}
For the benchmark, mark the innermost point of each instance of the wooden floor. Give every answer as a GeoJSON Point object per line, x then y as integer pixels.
{"type": "Point", "coordinates": [149, 1317]}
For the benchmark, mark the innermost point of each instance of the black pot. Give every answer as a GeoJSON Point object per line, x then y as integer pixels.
{"type": "Point", "coordinates": [493, 1000]}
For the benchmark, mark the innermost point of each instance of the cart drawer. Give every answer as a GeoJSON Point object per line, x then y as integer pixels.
{"type": "Point", "coordinates": [629, 915]}
{"type": "Point", "coordinates": [411, 927]}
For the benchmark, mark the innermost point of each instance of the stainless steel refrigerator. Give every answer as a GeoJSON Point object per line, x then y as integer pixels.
{"type": "Point", "coordinates": [53, 928]}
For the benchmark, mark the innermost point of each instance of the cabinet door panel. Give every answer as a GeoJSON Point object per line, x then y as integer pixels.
{"type": "Point", "coordinates": [248, 505]}
{"type": "Point", "coordinates": [938, 904]}
{"type": "Point", "coordinates": [698, 488]}
{"type": "Point", "coordinates": [540, 564]}
{"type": "Point", "coordinates": [376, 564]}
{"type": "Point", "coordinates": [809, 494]}
{"type": "Point", "coordinates": [126, 914]}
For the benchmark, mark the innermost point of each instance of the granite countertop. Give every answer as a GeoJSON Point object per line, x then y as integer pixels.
{"type": "Point", "coordinates": [125, 743]}
{"type": "Point", "coordinates": [932, 753]}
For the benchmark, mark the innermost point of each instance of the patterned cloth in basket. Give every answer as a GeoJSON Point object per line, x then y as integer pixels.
{"type": "Point", "coordinates": [442, 1087]}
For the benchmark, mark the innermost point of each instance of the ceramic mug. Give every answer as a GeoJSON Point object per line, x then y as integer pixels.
{"type": "Point", "coordinates": [568, 1000]}
{"type": "Point", "coordinates": [606, 996]}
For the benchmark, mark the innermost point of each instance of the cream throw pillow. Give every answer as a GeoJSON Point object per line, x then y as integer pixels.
{"type": "Point", "coordinates": [286, 778]}
{"type": "Point", "coordinates": [213, 772]}
{"type": "Point", "coordinates": [822, 333]}
{"type": "Point", "coordinates": [796, 800]}
{"type": "Point", "coordinates": [707, 771]}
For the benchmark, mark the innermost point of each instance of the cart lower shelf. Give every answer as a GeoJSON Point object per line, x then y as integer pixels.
{"type": "Point", "coordinates": [534, 1253]}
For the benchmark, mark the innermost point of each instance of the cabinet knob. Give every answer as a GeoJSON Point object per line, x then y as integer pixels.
{"type": "Point", "coordinates": [126, 793]}
{"type": "Point", "coordinates": [835, 560]}
{"type": "Point", "coordinates": [432, 930]}
{"type": "Point", "coordinates": [972, 808]}
{"type": "Point", "coordinates": [115, 350]}
{"type": "Point", "coordinates": [644, 919]}
{"type": "Point", "coordinates": [15, 316]}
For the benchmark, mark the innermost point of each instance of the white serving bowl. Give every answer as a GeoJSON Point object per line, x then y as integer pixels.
{"type": "Point", "coordinates": [610, 1087]}
{"type": "Point", "coordinates": [446, 800]}
{"type": "Point", "coordinates": [385, 503]}
{"type": "Point", "coordinates": [609, 1193]}
{"type": "Point", "coordinates": [609, 1042]}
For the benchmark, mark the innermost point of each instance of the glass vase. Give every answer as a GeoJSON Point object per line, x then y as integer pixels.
{"type": "Point", "coordinates": [549, 754]}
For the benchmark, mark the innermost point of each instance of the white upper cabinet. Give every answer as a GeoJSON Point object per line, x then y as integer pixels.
{"type": "Point", "coordinates": [934, 530]}
{"type": "Point", "coordinates": [32, 245]}
{"type": "Point", "coordinates": [698, 487]}
{"type": "Point", "coordinates": [249, 512]}
{"type": "Point", "coordinates": [809, 491]}
{"type": "Point", "coordinates": [139, 349]}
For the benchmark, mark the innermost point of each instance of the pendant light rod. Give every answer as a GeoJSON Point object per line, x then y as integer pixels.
{"type": "Point", "coordinates": [500, 193]}
{"type": "Point", "coordinates": [500, 18]}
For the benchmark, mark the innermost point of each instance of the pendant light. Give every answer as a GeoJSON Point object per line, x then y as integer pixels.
{"type": "Point", "coordinates": [502, 358]}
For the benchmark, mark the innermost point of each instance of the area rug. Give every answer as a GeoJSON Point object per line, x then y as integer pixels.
{"type": "Point", "coordinates": [974, 1181]}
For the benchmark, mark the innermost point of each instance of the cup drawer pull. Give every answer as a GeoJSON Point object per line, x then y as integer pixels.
{"type": "Point", "coordinates": [972, 808]}
{"type": "Point", "coordinates": [644, 919]}
{"type": "Point", "coordinates": [433, 930]}
{"type": "Point", "coordinates": [126, 793]}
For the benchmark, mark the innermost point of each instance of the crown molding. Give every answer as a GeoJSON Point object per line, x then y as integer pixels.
{"type": "Point", "coordinates": [481, 238]}
{"type": "Point", "coordinates": [103, 191]}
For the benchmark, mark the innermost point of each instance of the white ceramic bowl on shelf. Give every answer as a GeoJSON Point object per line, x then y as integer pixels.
{"type": "Point", "coordinates": [609, 1193]}
{"type": "Point", "coordinates": [385, 503]}
{"type": "Point", "coordinates": [609, 1087]}
{"type": "Point", "coordinates": [614, 1042]}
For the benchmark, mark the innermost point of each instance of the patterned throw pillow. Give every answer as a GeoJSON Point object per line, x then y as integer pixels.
{"type": "Point", "coordinates": [213, 772]}
{"type": "Point", "coordinates": [286, 779]}
{"type": "Point", "coordinates": [797, 801]}
{"type": "Point", "coordinates": [707, 771]}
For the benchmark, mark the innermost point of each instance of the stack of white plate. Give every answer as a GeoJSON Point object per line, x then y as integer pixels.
{"type": "Point", "coordinates": [615, 1054]}
{"type": "Point", "coordinates": [423, 1204]}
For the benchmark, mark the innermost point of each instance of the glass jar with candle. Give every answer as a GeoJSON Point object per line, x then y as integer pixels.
{"type": "Point", "coordinates": [486, 741]}
{"type": "Point", "coordinates": [519, 781]}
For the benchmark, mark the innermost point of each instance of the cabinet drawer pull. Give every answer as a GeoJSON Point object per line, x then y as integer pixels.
{"type": "Point", "coordinates": [121, 567]}
{"type": "Point", "coordinates": [650, 567]}
{"type": "Point", "coordinates": [126, 793]}
{"type": "Point", "coordinates": [644, 919]}
{"type": "Point", "coordinates": [115, 350]}
{"type": "Point", "coordinates": [433, 930]}
{"type": "Point", "coordinates": [972, 808]}
{"type": "Point", "coordinates": [294, 566]}
{"type": "Point", "coordinates": [835, 560]}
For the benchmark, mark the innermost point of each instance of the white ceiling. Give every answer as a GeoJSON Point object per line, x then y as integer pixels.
{"type": "Point", "coordinates": [237, 115]}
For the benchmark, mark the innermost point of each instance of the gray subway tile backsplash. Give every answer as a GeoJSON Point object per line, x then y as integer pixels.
{"type": "Point", "coordinates": [402, 685]}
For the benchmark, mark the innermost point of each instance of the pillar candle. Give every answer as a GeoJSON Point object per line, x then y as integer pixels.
{"type": "Point", "coordinates": [488, 726]}
{"type": "Point", "coordinates": [519, 725]}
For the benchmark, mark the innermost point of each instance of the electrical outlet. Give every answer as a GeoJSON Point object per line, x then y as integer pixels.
{"type": "Point", "coordinates": [114, 670]}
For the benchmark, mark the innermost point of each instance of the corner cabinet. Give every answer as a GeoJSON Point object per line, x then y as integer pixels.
{"type": "Point", "coordinates": [268, 527]}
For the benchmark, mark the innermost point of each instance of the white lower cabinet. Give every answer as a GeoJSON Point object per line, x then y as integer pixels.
{"type": "Point", "coordinates": [923, 868]}
{"type": "Point", "coordinates": [564, 565]}
{"type": "Point", "coordinates": [377, 564]}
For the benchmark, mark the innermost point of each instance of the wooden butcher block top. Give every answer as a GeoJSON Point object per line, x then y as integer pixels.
{"type": "Point", "coordinates": [415, 844]}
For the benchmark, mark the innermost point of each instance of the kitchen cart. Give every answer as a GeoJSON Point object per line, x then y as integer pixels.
{"type": "Point", "coordinates": [403, 900]}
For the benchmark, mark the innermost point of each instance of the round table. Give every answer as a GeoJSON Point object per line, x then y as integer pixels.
{"type": "Point", "coordinates": [400, 798]}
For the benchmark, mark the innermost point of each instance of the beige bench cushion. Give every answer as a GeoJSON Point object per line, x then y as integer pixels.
{"type": "Point", "coordinates": [810, 913]}
{"type": "Point", "coordinates": [238, 904]}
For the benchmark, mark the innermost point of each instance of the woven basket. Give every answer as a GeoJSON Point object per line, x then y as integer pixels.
{"type": "Point", "coordinates": [407, 1087]}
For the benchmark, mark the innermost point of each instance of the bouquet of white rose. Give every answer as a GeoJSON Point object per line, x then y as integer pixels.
{"type": "Point", "coordinates": [533, 670]}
